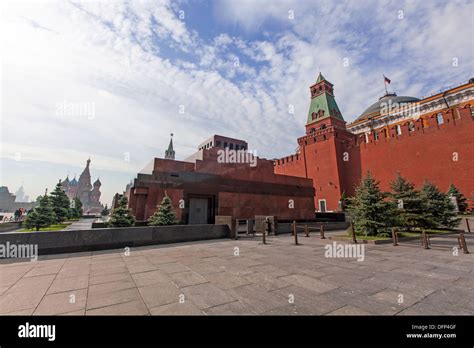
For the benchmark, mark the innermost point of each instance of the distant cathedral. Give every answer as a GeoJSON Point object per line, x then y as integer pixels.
{"type": "Point", "coordinates": [82, 189]}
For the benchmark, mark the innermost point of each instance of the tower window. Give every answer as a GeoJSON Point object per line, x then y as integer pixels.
{"type": "Point", "coordinates": [225, 144]}
{"type": "Point", "coordinates": [376, 135]}
{"type": "Point", "coordinates": [218, 143]}
{"type": "Point", "coordinates": [439, 118]}
{"type": "Point", "coordinates": [411, 127]}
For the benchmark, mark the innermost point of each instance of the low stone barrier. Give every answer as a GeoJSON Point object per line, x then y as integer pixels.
{"type": "Point", "coordinates": [9, 226]}
{"type": "Point", "coordinates": [56, 242]}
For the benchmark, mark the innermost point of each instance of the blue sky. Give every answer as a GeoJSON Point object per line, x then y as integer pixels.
{"type": "Point", "coordinates": [124, 70]}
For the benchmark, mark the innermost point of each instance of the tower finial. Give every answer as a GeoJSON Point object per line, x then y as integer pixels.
{"type": "Point", "coordinates": [169, 154]}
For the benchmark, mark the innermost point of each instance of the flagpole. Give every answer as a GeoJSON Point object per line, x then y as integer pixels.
{"type": "Point", "coordinates": [385, 84]}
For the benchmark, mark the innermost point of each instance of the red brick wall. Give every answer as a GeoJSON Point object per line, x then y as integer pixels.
{"type": "Point", "coordinates": [424, 154]}
{"type": "Point", "coordinates": [246, 206]}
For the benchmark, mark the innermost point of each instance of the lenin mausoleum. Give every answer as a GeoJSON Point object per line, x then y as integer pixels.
{"type": "Point", "coordinates": [423, 139]}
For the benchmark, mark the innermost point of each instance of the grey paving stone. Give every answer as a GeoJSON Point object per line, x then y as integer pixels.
{"type": "Point", "coordinates": [173, 267]}
{"type": "Point", "coordinates": [231, 308]}
{"type": "Point", "coordinates": [19, 300]}
{"type": "Point", "coordinates": [188, 278]}
{"type": "Point", "coordinates": [226, 280]}
{"type": "Point", "coordinates": [159, 294]}
{"type": "Point", "coordinates": [205, 268]}
{"type": "Point", "coordinates": [309, 283]}
{"type": "Point", "coordinates": [186, 308]}
{"type": "Point", "coordinates": [39, 284]}
{"type": "Point", "coordinates": [111, 286]}
{"type": "Point", "coordinates": [151, 277]}
{"type": "Point", "coordinates": [349, 310]}
{"type": "Point", "coordinates": [258, 298]}
{"type": "Point", "coordinates": [109, 278]}
{"type": "Point", "coordinates": [266, 281]}
{"type": "Point", "coordinates": [207, 295]}
{"type": "Point", "coordinates": [141, 267]}
{"type": "Point", "coordinates": [10, 275]}
{"type": "Point", "coordinates": [104, 299]}
{"type": "Point", "coordinates": [136, 307]}
{"type": "Point", "coordinates": [62, 302]}
{"type": "Point", "coordinates": [44, 270]}
{"type": "Point", "coordinates": [68, 284]}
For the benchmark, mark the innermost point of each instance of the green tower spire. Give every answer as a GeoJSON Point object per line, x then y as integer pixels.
{"type": "Point", "coordinates": [323, 105]}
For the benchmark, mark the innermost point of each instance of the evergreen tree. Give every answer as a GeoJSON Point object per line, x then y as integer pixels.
{"type": "Point", "coordinates": [121, 216]}
{"type": "Point", "coordinates": [41, 216]}
{"type": "Point", "coordinates": [437, 208]}
{"type": "Point", "coordinates": [75, 211]}
{"type": "Point", "coordinates": [105, 211]}
{"type": "Point", "coordinates": [164, 215]}
{"type": "Point", "coordinates": [371, 213]}
{"type": "Point", "coordinates": [344, 201]}
{"type": "Point", "coordinates": [60, 203]}
{"type": "Point", "coordinates": [462, 205]}
{"type": "Point", "coordinates": [409, 212]}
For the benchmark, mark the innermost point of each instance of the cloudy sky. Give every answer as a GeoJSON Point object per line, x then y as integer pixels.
{"type": "Point", "coordinates": [110, 80]}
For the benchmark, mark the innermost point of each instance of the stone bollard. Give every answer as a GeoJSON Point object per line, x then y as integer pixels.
{"type": "Point", "coordinates": [294, 227]}
{"type": "Point", "coordinates": [321, 232]}
{"type": "Point", "coordinates": [462, 242]}
{"type": "Point", "coordinates": [264, 232]}
{"type": "Point", "coordinates": [306, 230]}
{"type": "Point", "coordinates": [296, 237]}
{"type": "Point", "coordinates": [394, 237]}
{"type": "Point", "coordinates": [424, 240]}
{"type": "Point", "coordinates": [354, 239]}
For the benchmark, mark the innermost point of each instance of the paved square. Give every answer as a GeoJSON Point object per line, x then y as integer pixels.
{"type": "Point", "coordinates": [227, 277]}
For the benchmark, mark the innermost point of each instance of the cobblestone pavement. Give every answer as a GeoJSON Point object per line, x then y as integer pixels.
{"type": "Point", "coordinates": [244, 277]}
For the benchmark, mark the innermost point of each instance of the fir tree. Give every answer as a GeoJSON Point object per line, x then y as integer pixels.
{"type": "Point", "coordinates": [60, 203]}
{"type": "Point", "coordinates": [164, 215]}
{"type": "Point", "coordinates": [371, 213]}
{"type": "Point", "coordinates": [344, 201]}
{"type": "Point", "coordinates": [105, 211]}
{"type": "Point", "coordinates": [437, 208]}
{"type": "Point", "coordinates": [462, 205]}
{"type": "Point", "coordinates": [121, 216]}
{"type": "Point", "coordinates": [75, 211]}
{"type": "Point", "coordinates": [41, 216]}
{"type": "Point", "coordinates": [409, 212]}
